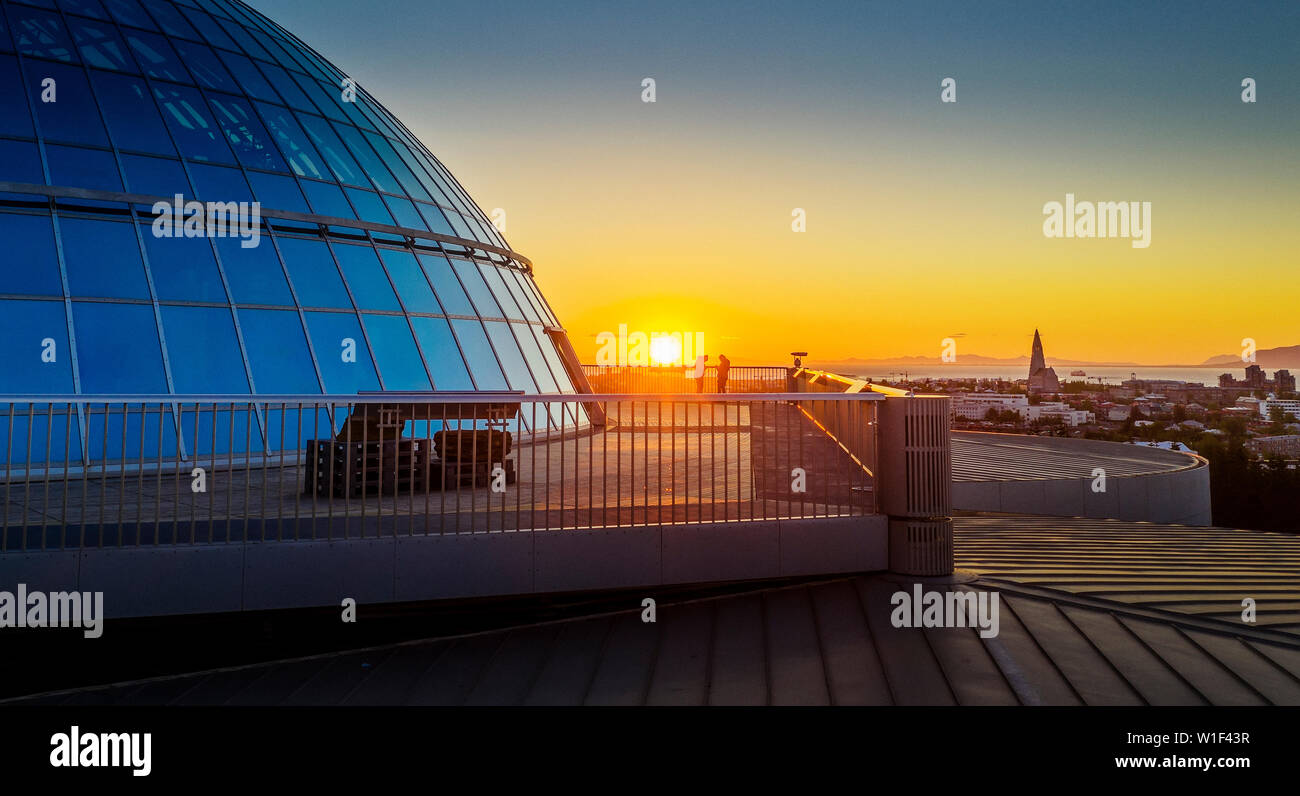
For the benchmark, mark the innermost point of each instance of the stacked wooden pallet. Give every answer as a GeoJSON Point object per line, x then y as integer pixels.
{"type": "Point", "coordinates": [338, 468]}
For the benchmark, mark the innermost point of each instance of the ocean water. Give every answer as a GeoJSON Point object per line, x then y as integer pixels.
{"type": "Point", "coordinates": [1113, 375]}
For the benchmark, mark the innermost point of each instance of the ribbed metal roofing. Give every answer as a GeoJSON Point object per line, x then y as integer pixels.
{"type": "Point", "coordinates": [1201, 572]}
{"type": "Point", "coordinates": [832, 642]}
{"type": "Point", "coordinates": [1017, 457]}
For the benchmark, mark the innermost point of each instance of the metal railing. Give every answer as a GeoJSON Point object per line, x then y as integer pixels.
{"type": "Point", "coordinates": [105, 471]}
{"type": "Point", "coordinates": [679, 380]}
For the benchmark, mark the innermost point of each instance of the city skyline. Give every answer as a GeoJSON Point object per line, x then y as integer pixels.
{"type": "Point", "coordinates": [922, 214]}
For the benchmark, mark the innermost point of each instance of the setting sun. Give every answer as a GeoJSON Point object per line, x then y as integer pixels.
{"type": "Point", "coordinates": [665, 350]}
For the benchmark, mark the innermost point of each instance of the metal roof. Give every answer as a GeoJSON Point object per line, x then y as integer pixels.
{"type": "Point", "coordinates": [1015, 457]}
{"type": "Point", "coordinates": [832, 642]}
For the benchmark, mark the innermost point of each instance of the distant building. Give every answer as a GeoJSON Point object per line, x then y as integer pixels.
{"type": "Point", "coordinates": [1071, 417]}
{"type": "Point", "coordinates": [974, 406]}
{"type": "Point", "coordinates": [1287, 446]}
{"type": "Point", "coordinates": [1283, 381]}
{"type": "Point", "coordinates": [1288, 407]}
{"type": "Point", "coordinates": [1041, 377]}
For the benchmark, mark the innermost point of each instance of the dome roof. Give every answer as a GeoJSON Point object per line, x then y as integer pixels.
{"type": "Point", "coordinates": [365, 242]}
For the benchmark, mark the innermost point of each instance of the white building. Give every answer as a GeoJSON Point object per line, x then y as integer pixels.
{"type": "Point", "coordinates": [1266, 405]}
{"type": "Point", "coordinates": [1071, 417]}
{"type": "Point", "coordinates": [975, 405]}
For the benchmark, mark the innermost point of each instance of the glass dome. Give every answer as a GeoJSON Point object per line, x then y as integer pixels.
{"type": "Point", "coordinates": [364, 237]}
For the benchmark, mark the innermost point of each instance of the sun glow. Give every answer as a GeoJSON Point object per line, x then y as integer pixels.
{"type": "Point", "coordinates": [665, 350]}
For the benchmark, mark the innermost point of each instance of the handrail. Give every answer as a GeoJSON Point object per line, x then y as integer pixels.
{"type": "Point", "coordinates": [55, 191]}
{"type": "Point", "coordinates": [433, 397]}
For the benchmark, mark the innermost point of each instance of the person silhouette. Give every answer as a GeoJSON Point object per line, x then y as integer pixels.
{"type": "Point", "coordinates": [724, 365]}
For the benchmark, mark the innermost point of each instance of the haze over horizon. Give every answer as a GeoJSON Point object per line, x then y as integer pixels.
{"type": "Point", "coordinates": [924, 219]}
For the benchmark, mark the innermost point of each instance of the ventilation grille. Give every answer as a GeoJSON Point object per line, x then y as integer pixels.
{"type": "Point", "coordinates": [921, 547]}
{"type": "Point", "coordinates": [926, 458]}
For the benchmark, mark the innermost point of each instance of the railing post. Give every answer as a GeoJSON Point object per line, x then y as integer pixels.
{"type": "Point", "coordinates": [916, 483]}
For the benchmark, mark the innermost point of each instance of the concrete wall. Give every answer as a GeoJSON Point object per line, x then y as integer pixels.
{"type": "Point", "coordinates": [1179, 497]}
{"type": "Point", "coordinates": [168, 580]}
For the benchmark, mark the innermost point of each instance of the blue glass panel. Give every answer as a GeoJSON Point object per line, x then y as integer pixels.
{"type": "Point", "coordinates": [211, 30]}
{"type": "Point", "coordinates": [254, 273]}
{"type": "Point", "coordinates": [246, 41]}
{"type": "Point", "coordinates": [83, 168]}
{"type": "Point", "coordinates": [89, 8]}
{"type": "Point", "coordinates": [205, 66]}
{"type": "Point", "coordinates": [129, 12]}
{"type": "Point", "coordinates": [327, 102]}
{"type": "Point", "coordinates": [415, 165]}
{"type": "Point", "coordinates": [478, 352]}
{"type": "Point", "coordinates": [334, 336]}
{"type": "Point", "coordinates": [536, 362]}
{"type": "Point", "coordinates": [132, 115]}
{"type": "Point", "coordinates": [55, 438]}
{"type": "Point", "coordinates": [41, 33]}
{"type": "Point", "coordinates": [156, 57]}
{"type": "Point", "coordinates": [394, 348]}
{"type": "Point", "coordinates": [203, 350]}
{"type": "Point", "coordinates": [436, 220]}
{"type": "Point", "coordinates": [220, 184]}
{"type": "Point", "coordinates": [536, 293]}
{"type": "Point", "coordinates": [184, 270]}
{"type": "Point", "coordinates": [508, 353]}
{"type": "Point", "coordinates": [553, 359]}
{"type": "Point", "coordinates": [277, 192]}
{"type": "Point", "coordinates": [245, 133]}
{"type": "Point", "coordinates": [20, 162]}
{"type": "Point", "coordinates": [155, 176]}
{"type": "Point", "coordinates": [67, 119]}
{"type": "Point", "coordinates": [441, 354]}
{"type": "Point", "coordinates": [478, 290]}
{"type": "Point", "coordinates": [414, 289]}
{"type": "Point", "coordinates": [277, 352]}
{"type": "Point", "coordinates": [191, 124]}
{"type": "Point", "coordinates": [511, 277]}
{"type": "Point", "coordinates": [459, 227]}
{"type": "Point", "coordinates": [169, 18]}
{"type": "Point", "coordinates": [117, 349]}
{"type": "Point", "coordinates": [100, 45]}
{"type": "Point", "coordinates": [286, 87]}
{"type": "Point", "coordinates": [102, 258]}
{"type": "Point", "coordinates": [365, 277]}
{"type": "Point", "coordinates": [369, 206]}
{"type": "Point", "coordinates": [341, 164]}
{"type": "Point", "coordinates": [217, 9]}
{"type": "Point", "coordinates": [315, 278]}
{"type": "Point", "coordinates": [15, 115]}
{"type": "Point", "coordinates": [114, 435]}
{"type": "Point", "coordinates": [31, 267]}
{"type": "Point", "coordinates": [327, 199]}
{"type": "Point", "coordinates": [370, 162]}
{"type": "Point", "coordinates": [37, 358]}
{"type": "Point", "coordinates": [445, 284]}
{"type": "Point", "coordinates": [221, 429]}
{"type": "Point", "coordinates": [399, 169]}
{"type": "Point", "coordinates": [404, 213]}
{"type": "Point", "coordinates": [499, 290]}
{"type": "Point", "coordinates": [249, 79]}
{"type": "Point", "coordinates": [293, 142]}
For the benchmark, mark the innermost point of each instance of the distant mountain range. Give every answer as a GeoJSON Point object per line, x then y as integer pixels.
{"type": "Point", "coordinates": [1267, 358]}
